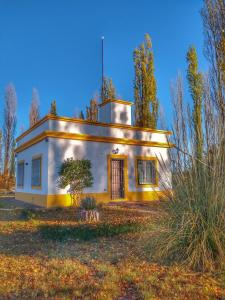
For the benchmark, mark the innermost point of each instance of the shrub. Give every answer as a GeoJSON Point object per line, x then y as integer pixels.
{"type": "Point", "coordinates": [194, 232]}
{"type": "Point", "coordinates": [88, 203]}
{"type": "Point", "coordinates": [77, 175]}
{"type": "Point", "coordinates": [28, 214]}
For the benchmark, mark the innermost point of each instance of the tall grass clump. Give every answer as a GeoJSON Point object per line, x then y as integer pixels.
{"type": "Point", "coordinates": [194, 232]}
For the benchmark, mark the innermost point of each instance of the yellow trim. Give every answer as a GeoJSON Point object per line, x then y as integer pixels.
{"type": "Point", "coordinates": [64, 199]}
{"type": "Point", "coordinates": [37, 187]}
{"type": "Point", "coordinates": [115, 101]}
{"type": "Point", "coordinates": [125, 159]}
{"type": "Point", "coordinates": [18, 163]}
{"type": "Point", "coordinates": [136, 171]}
{"type": "Point", "coordinates": [80, 121]}
{"type": "Point", "coordinates": [91, 138]}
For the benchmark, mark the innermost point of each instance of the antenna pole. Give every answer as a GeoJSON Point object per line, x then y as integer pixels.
{"type": "Point", "coordinates": [102, 64]}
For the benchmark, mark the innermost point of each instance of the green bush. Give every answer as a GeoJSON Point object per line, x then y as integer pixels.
{"type": "Point", "coordinates": [88, 203]}
{"type": "Point", "coordinates": [28, 214]}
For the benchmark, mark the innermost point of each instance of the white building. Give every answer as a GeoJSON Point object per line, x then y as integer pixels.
{"type": "Point", "coordinates": [128, 162]}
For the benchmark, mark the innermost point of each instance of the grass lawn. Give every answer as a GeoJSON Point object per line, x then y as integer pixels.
{"type": "Point", "coordinates": [50, 255]}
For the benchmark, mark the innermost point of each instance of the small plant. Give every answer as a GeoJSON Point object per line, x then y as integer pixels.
{"type": "Point", "coordinates": [88, 203]}
{"type": "Point", "coordinates": [28, 214]}
{"type": "Point", "coordinates": [77, 175]}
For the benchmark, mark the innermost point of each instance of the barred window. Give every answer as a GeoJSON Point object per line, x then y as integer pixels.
{"type": "Point", "coordinates": [36, 172]}
{"type": "Point", "coordinates": [146, 171]}
{"type": "Point", "coordinates": [20, 174]}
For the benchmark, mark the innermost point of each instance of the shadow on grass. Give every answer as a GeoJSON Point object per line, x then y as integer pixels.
{"type": "Point", "coordinates": [87, 232]}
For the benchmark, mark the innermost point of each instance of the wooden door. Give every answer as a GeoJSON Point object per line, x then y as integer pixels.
{"type": "Point", "coordinates": [117, 179]}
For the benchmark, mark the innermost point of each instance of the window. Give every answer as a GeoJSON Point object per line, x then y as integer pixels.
{"type": "Point", "coordinates": [36, 172]}
{"type": "Point", "coordinates": [146, 171]}
{"type": "Point", "coordinates": [20, 174]}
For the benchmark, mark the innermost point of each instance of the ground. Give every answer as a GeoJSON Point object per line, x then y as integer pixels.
{"type": "Point", "coordinates": [48, 254]}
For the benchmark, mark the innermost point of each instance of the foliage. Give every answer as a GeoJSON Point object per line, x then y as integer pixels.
{"type": "Point", "coordinates": [194, 231]}
{"type": "Point", "coordinates": [195, 81]}
{"type": "Point", "coordinates": [34, 114]}
{"type": "Point", "coordinates": [81, 115]}
{"type": "Point", "coordinates": [88, 203]}
{"type": "Point", "coordinates": [76, 174]}
{"type": "Point", "coordinates": [28, 214]}
{"type": "Point", "coordinates": [146, 102]}
{"type": "Point", "coordinates": [92, 111]}
{"type": "Point", "coordinates": [213, 14]}
{"type": "Point", "coordinates": [53, 109]}
{"type": "Point", "coordinates": [108, 89]}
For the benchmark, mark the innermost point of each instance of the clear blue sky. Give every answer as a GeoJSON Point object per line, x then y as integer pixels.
{"type": "Point", "coordinates": [55, 46]}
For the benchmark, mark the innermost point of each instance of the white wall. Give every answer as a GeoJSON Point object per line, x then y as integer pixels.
{"type": "Point", "coordinates": [74, 127]}
{"type": "Point", "coordinates": [60, 149]}
{"type": "Point", "coordinates": [26, 155]}
{"type": "Point", "coordinates": [113, 112]}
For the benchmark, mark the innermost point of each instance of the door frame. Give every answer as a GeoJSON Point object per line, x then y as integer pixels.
{"type": "Point", "coordinates": [109, 177]}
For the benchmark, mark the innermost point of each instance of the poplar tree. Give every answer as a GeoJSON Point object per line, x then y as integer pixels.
{"type": "Point", "coordinates": [9, 126]}
{"type": "Point", "coordinates": [145, 89]}
{"type": "Point", "coordinates": [195, 81]}
{"type": "Point", "coordinates": [53, 110]}
{"type": "Point", "coordinates": [213, 14]}
{"type": "Point", "coordinates": [34, 114]}
{"type": "Point", "coordinates": [108, 89]}
{"type": "Point", "coordinates": [81, 115]}
{"type": "Point", "coordinates": [92, 111]}
{"type": "Point", "coordinates": [1, 152]}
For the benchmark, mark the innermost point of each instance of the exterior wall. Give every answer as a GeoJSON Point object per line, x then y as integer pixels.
{"type": "Point", "coordinates": [60, 149]}
{"type": "Point", "coordinates": [34, 195]}
{"type": "Point", "coordinates": [55, 150]}
{"type": "Point", "coordinates": [113, 112]}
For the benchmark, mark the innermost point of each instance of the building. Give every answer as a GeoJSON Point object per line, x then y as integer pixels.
{"type": "Point", "coordinates": [128, 162]}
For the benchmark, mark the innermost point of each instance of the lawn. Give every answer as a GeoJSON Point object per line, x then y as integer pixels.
{"type": "Point", "coordinates": [48, 254]}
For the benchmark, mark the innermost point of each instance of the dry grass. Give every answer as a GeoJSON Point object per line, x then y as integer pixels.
{"type": "Point", "coordinates": [118, 267]}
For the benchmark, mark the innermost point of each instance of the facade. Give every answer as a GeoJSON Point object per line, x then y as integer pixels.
{"type": "Point", "coordinates": [128, 162]}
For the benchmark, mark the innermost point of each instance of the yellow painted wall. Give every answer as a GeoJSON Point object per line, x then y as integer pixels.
{"type": "Point", "coordinates": [65, 200]}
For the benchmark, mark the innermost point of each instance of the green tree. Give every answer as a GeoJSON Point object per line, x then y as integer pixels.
{"type": "Point", "coordinates": [108, 89]}
{"type": "Point", "coordinates": [53, 110]}
{"type": "Point", "coordinates": [77, 175]}
{"type": "Point", "coordinates": [145, 89]}
{"type": "Point", "coordinates": [195, 81]}
{"type": "Point", "coordinates": [92, 111]}
{"type": "Point", "coordinates": [81, 115]}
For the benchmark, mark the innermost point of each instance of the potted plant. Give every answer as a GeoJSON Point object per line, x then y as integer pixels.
{"type": "Point", "coordinates": [88, 210]}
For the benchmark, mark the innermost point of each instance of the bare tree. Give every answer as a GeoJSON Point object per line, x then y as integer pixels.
{"type": "Point", "coordinates": [34, 114]}
{"type": "Point", "coordinates": [9, 126]}
{"type": "Point", "coordinates": [1, 166]}
{"type": "Point", "coordinates": [213, 14]}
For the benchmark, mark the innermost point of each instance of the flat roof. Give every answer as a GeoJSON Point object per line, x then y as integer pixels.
{"type": "Point", "coordinates": [94, 123]}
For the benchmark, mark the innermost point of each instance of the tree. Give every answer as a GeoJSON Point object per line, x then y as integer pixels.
{"type": "Point", "coordinates": [9, 125]}
{"type": "Point", "coordinates": [195, 80]}
{"type": "Point", "coordinates": [1, 166]}
{"type": "Point", "coordinates": [53, 110]}
{"type": "Point", "coordinates": [76, 174]}
{"type": "Point", "coordinates": [92, 111]}
{"type": "Point", "coordinates": [146, 102]}
{"type": "Point", "coordinates": [213, 14]}
{"type": "Point", "coordinates": [81, 115]}
{"type": "Point", "coordinates": [108, 89]}
{"type": "Point", "coordinates": [34, 114]}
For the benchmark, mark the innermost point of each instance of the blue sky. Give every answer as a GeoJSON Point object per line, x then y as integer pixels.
{"type": "Point", "coordinates": [55, 46]}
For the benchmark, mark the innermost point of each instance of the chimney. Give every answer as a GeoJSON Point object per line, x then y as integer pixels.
{"type": "Point", "coordinates": [115, 111]}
